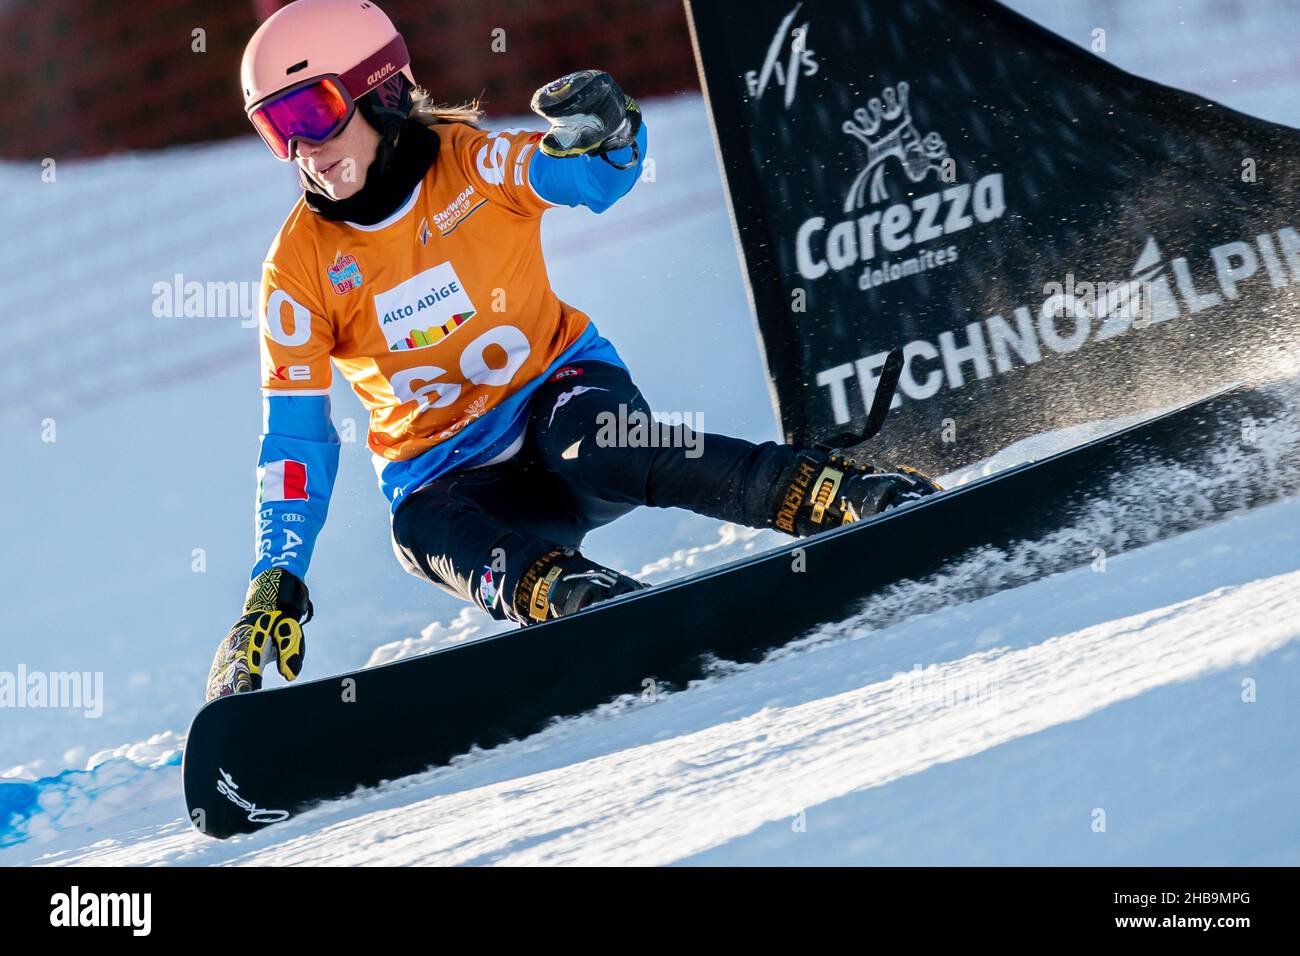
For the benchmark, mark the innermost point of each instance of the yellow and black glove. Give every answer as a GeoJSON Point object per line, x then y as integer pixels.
{"type": "Point", "coordinates": [270, 629]}
{"type": "Point", "coordinates": [589, 116]}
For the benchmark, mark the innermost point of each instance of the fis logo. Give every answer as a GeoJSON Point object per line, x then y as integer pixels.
{"type": "Point", "coordinates": [424, 231]}
{"type": "Point", "coordinates": [800, 61]}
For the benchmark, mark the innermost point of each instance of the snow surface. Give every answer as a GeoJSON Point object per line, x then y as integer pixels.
{"type": "Point", "coordinates": [1034, 708]}
{"type": "Point", "coordinates": [990, 732]}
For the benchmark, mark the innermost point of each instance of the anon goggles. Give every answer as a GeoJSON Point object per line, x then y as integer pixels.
{"type": "Point", "coordinates": [316, 109]}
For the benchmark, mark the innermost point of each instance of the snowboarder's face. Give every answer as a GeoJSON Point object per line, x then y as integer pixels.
{"type": "Point", "coordinates": [338, 166]}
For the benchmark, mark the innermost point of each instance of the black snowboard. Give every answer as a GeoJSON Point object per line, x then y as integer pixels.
{"type": "Point", "coordinates": [385, 722]}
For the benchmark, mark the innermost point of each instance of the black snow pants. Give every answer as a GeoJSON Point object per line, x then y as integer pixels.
{"type": "Point", "coordinates": [592, 452]}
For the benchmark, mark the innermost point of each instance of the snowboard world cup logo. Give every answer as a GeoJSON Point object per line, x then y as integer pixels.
{"type": "Point", "coordinates": [885, 127]}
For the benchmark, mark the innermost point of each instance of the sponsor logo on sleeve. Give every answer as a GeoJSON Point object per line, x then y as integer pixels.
{"type": "Point", "coordinates": [492, 156]}
{"type": "Point", "coordinates": [569, 371]}
{"type": "Point", "coordinates": [291, 373]}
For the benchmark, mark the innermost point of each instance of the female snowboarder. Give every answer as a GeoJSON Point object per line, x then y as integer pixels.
{"type": "Point", "coordinates": [413, 262]}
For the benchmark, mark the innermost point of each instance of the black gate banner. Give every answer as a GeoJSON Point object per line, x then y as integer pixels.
{"type": "Point", "coordinates": [1049, 239]}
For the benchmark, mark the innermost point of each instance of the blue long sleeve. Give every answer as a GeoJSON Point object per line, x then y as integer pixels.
{"type": "Point", "coordinates": [296, 467]}
{"type": "Point", "coordinates": [587, 180]}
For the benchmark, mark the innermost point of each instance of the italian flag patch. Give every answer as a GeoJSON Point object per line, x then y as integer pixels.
{"type": "Point", "coordinates": [283, 481]}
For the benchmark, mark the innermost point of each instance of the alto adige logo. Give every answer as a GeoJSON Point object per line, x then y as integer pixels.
{"type": "Point", "coordinates": [892, 242]}
{"type": "Point", "coordinates": [423, 310]}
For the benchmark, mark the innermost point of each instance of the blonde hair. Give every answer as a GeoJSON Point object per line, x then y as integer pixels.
{"type": "Point", "coordinates": [425, 110]}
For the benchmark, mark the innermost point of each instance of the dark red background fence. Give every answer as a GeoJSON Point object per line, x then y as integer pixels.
{"type": "Point", "coordinates": [87, 77]}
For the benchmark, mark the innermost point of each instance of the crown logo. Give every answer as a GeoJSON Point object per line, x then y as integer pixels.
{"type": "Point", "coordinates": [885, 127]}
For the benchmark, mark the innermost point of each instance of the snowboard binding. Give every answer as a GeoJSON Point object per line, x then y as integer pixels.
{"type": "Point", "coordinates": [832, 484]}
{"type": "Point", "coordinates": [563, 582]}
{"type": "Point", "coordinates": [825, 488]}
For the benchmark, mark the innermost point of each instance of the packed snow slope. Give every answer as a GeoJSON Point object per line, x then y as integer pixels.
{"type": "Point", "coordinates": [1144, 713]}
{"type": "Point", "coordinates": [1140, 712]}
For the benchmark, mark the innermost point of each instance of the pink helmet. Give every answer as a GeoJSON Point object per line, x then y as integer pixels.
{"type": "Point", "coordinates": [351, 39]}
